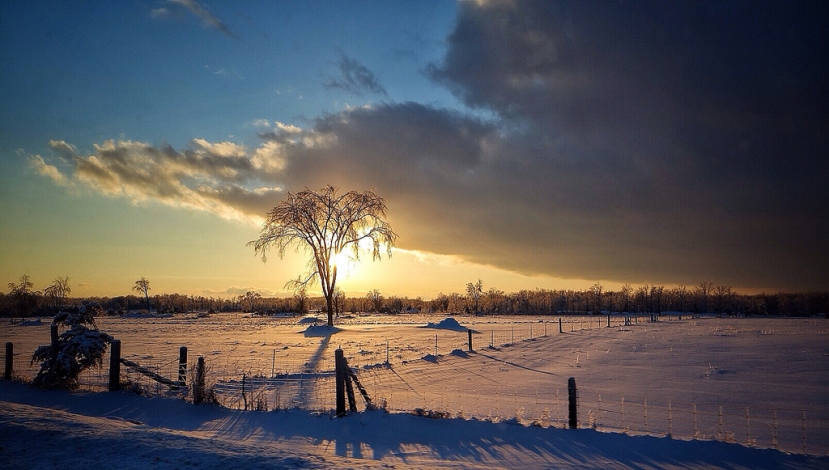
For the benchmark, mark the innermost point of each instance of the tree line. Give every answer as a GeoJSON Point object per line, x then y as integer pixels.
{"type": "Point", "coordinates": [23, 300]}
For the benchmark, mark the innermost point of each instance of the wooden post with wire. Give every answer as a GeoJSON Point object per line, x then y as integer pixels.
{"type": "Point", "coordinates": [182, 365]}
{"type": "Point", "coordinates": [115, 365]}
{"type": "Point", "coordinates": [573, 401]}
{"type": "Point", "coordinates": [340, 382]}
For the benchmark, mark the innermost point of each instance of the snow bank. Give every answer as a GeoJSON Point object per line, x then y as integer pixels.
{"type": "Point", "coordinates": [448, 323]}
{"type": "Point", "coordinates": [306, 320]}
{"type": "Point", "coordinates": [30, 323]}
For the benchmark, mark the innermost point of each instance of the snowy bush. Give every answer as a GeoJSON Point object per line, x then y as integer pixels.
{"type": "Point", "coordinates": [80, 346]}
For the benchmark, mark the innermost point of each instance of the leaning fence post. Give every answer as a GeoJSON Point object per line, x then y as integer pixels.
{"type": "Point", "coordinates": [182, 365]}
{"type": "Point", "coordinates": [114, 365]}
{"type": "Point", "coordinates": [198, 383]}
{"type": "Point", "coordinates": [340, 385]}
{"type": "Point", "coordinates": [7, 375]}
{"type": "Point", "coordinates": [469, 332]}
{"type": "Point", "coordinates": [573, 402]}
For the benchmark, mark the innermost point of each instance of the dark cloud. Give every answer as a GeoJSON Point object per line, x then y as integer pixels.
{"type": "Point", "coordinates": [355, 78]}
{"type": "Point", "coordinates": [688, 139]}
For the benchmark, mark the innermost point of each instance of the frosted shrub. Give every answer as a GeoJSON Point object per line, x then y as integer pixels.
{"type": "Point", "coordinates": [80, 346]}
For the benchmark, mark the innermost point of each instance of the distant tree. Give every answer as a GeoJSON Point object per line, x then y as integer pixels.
{"type": "Point", "coordinates": [681, 297]}
{"type": "Point", "coordinates": [326, 224]}
{"type": "Point", "coordinates": [339, 301]}
{"type": "Point", "coordinates": [596, 298]}
{"type": "Point", "coordinates": [375, 300]}
{"type": "Point", "coordinates": [474, 292]}
{"type": "Point", "coordinates": [250, 299]}
{"type": "Point", "coordinates": [142, 286]}
{"type": "Point", "coordinates": [703, 291]}
{"type": "Point", "coordinates": [24, 298]}
{"type": "Point", "coordinates": [492, 299]}
{"type": "Point", "coordinates": [58, 291]}
{"type": "Point", "coordinates": [625, 293]}
{"type": "Point", "coordinates": [655, 299]}
{"type": "Point", "coordinates": [722, 299]}
{"type": "Point", "coordinates": [301, 300]}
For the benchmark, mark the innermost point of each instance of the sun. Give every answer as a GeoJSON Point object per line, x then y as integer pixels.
{"type": "Point", "coordinates": [344, 263]}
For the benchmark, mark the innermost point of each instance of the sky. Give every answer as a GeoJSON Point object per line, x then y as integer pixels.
{"type": "Point", "coordinates": [527, 144]}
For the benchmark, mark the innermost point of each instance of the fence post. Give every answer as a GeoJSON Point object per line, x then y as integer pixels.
{"type": "Point", "coordinates": [559, 325]}
{"type": "Point", "coordinates": [198, 385]}
{"type": "Point", "coordinates": [7, 375]}
{"type": "Point", "coordinates": [340, 385]}
{"type": "Point", "coordinates": [182, 365]}
{"type": "Point", "coordinates": [573, 403]}
{"type": "Point", "coordinates": [53, 332]}
{"type": "Point", "coordinates": [115, 365]}
{"type": "Point", "coordinates": [470, 339]}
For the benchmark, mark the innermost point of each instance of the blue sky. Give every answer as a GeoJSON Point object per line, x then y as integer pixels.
{"type": "Point", "coordinates": [550, 144]}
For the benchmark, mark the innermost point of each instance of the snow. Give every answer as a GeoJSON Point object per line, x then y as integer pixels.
{"type": "Point", "coordinates": [506, 403]}
{"type": "Point", "coordinates": [448, 323]}
{"type": "Point", "coordinates": [40, 429]}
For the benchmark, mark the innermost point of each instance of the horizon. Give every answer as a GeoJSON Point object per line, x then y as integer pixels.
{"type": "Point", "coordinates": [533, 146]}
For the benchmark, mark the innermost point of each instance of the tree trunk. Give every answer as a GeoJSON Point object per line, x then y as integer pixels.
{"type": "Point", "coordinates": [329, 302]}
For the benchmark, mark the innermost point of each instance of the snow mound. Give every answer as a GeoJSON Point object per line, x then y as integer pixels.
{"type": "Point", "coordinates": [321, 330]}
{"type": "Point", "coordinates": [448, 323]}
{"type": "Point", "coordinates": [459, 353]}
{"type": "Point", "coordinates": [304, 320]}
{"type": "Point", "coordinates": [430, 358]}
{"type": "Point", "coordinates": [30, 323]}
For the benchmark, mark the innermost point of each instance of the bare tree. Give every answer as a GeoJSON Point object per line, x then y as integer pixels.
{"type": "Point", "coordinates": [58, 291]}
{"type": "Point", "coordinates": [703, 291]}
{"type": "Point", "coordinates": [23, 295]}
{"type": "Point", "coordinates": [339, 301]}
{"type": "Point", "coordinates": [301, 299]}
{"type": "Point", "coordinates": [474, 291]}
{"type": "Point", "coordinates": [375, 299]}
{"type": "Point", "coordinates": [722, 299]}
{"type": "Point", "coordinates": [251, 299]}
{"type": "Point", "coordinates": [596, 297]}
{"type": "Point", "coordinates": [142, 286]}
{"type": "Point", "coordinates": [326, 224]}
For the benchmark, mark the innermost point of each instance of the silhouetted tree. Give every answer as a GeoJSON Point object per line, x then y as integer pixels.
{"type": "Point", "coordinates": [375, 300]}
{"type": "Point", "coordinates": [142, 286]}
{"type": "Point", "coordinates": [301, 300]}
{"type": "Point", "coordinates": [24, 298]}
{"type": "Point", "coordinates": [474, 291]}
{"type": "Point", "coordinates": [58, 291]}
{"type": "Point", "coordinates": [326, 224]}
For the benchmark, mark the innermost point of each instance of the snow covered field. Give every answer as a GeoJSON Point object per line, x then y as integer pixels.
{"type": "Point", "coordinates": [728, 391]}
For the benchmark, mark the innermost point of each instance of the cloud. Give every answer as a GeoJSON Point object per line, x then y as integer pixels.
{"type": "Point", "coordinates": [218, 177]}
{"type": "Point", "coordinates": [634, 143]}
{"type": "Point", "coordinates": [355, 78]}
{"type": "Point", "coordinates": [235, 291]}
{"type": "Point", "coordinates": [49, 171]}
{"type": "Point", "coordinates": [208, 19]}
